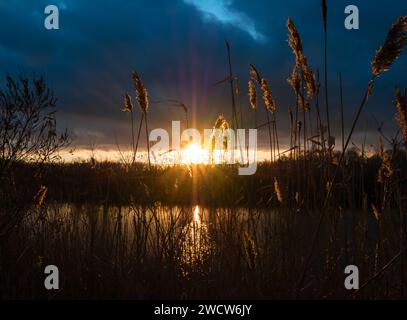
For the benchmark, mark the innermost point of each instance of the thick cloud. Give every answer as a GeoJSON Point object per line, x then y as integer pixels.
{"type": "Point", "coordinates": [178, 48]}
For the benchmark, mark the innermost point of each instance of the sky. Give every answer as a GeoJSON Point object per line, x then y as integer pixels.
{"type": "Point", "coordinates": [178, 48]}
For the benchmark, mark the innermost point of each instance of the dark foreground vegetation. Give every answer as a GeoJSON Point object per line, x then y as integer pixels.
{"type": "Point", "coordinates": [297, 184]}
{"type": "Point", "coordinates": [128, 232]}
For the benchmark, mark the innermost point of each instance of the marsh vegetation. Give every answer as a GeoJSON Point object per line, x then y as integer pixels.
{"type": "Point", "coordinates": [144, 231]}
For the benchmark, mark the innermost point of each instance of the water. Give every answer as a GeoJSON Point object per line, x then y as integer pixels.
{"type": "Point", "coordinates": [188, 236]}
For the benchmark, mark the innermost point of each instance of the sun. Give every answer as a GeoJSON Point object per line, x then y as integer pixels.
{"type": "Point", "coordinates": [194, 154]}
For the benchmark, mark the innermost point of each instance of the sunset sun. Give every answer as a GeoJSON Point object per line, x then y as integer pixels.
{"type": "Point", "coordinates": [194, 154]}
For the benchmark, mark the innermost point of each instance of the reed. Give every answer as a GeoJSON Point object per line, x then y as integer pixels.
{"type": "Point", "coordinates": [384, 58]}
{"type": "Point", "coordinates": [128, 107]}
{"type": "Point", "coordinates": [142, 99]}
{"type": "Point", "coordinates": [392, 47]}
{"type": "Point", "coordinates": [301, 77]}
{"type": "Point", "coordinates": [269, 104]}
{"type": "Point", "coordinates": [232, 90]}
{"type": "Point", "coordinates": [325, 22]}
{"type": "Point", "coordinates": [342, 112]}
{"type": "Point", "coordinates": [253, 100]}
{"type": "Point", "coordinates": [128, 228]}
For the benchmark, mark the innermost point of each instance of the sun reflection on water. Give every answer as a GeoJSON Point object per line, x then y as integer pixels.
{"type": "Point", "coordinates": [197, 218]}
{"type": "Point", "coordinates": [196, 245]}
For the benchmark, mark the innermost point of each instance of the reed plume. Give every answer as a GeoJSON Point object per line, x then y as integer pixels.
{"type": "Point", "coordinates": [301, 63]}
{"type": "Point", "coordinates": [252, 95]}
{"type": "Point", "coordinates": [401, 114]}
{"type": "Point", "coordinates": [255, 74]}
{"type": "Point", "coordinates": [301, 102]}
{"type": "Point", "coordinates": [309, 78]}
{"type": "Point", "coordinates": [220, 122]}
{"type": "Point", "coordinates": [294, 79]}
{"type": "Point", "coordinates": [392, 47]}
{"type": "Point", "coordinates": [384, 58]}
{"type": "Point", "coordinates": [294, 41]}
{"type": "Point", "coordinates": [142, 99]}
{"type": "Point", "coordinates": [386, 168]}
{"type": "Point", "coordinates": [225, 125]}
{"type": "Point", "coordinates": [141, 92]}
{"type": "Point", "coordinates": [218, 125]}
{"type": "Point", "coordinates": [267, 96]}
{"type": "Point", "coordinates": [270, 104]}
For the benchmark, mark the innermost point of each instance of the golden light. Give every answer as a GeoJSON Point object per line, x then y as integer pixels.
{"type": "Point", "coordinates": [194, 154]}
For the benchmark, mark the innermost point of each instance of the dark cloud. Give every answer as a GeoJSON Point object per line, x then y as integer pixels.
{"type": "Point", "coordinates": [178, 48]}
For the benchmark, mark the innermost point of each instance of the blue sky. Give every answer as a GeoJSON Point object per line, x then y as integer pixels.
{"type": "Point", "coordinates": [178, 48]}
